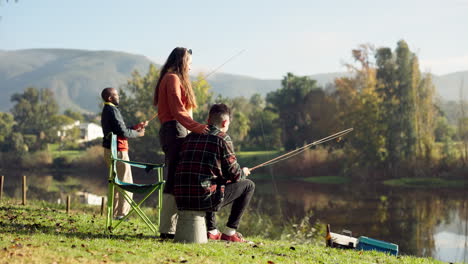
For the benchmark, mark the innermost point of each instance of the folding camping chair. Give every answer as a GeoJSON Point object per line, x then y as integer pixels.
{"type": "Point", "coordinates": [123, 187]}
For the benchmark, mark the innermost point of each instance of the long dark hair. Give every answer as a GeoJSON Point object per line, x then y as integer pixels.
{"type": "Point", "coordinates": [177, 62]}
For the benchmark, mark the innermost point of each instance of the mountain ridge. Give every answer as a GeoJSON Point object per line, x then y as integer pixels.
{"type": "Point", "coordinates": [77, 76]}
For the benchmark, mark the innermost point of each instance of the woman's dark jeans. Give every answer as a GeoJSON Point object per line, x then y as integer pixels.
{"type": "Point", "coordinates": [171, 136]}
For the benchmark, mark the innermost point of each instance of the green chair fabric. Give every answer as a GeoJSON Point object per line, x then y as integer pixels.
{"type": "Point", "coordinates": [123, 187]}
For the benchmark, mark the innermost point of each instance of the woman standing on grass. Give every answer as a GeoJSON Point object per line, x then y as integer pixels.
{"type": "Point", "coordinates": [175, 101]}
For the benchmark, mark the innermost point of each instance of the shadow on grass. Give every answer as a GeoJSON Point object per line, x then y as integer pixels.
{"type": "Point", "coordinates": [24, 220]}
{"type": "Point", "coordinates": [31, 229]}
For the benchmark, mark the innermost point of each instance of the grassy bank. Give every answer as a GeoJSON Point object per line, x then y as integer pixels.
{"type": "Point", "coordinates": [428, 183]}
{"type": "Point", "coordinates": [253, 158]}
{"type": "Point", "coordinates": [328, 179]}
{"type": "Point", "coordinates": [43, 233]}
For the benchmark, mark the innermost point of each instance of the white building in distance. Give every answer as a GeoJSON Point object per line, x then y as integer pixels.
{"type": "Point", "coordinates": [88, 131]}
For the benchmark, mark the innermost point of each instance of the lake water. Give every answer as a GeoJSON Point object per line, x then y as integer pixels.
{"type": "Point", "coordinates": [423, 222]}
{"type": "Point", "coordinates": [429, 222]}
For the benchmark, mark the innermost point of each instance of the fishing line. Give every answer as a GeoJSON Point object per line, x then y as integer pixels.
{"type": "Point", "coordinates": [228, 60]}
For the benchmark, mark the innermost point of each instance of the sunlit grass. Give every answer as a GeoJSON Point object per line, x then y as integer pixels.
{"type": "Point", "coordinates": [253, 158]}
{"type": "Point", "coordinates": [246, 154]}
{"type": "Point", "coordinates": [43, 233]}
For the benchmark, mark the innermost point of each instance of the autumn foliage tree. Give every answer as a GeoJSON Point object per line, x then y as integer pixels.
{"type": "Point", "coordinates": [390, 104]}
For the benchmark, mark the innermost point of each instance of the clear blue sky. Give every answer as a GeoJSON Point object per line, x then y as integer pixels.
{"type": "Point", "coordinates": [302, 37]}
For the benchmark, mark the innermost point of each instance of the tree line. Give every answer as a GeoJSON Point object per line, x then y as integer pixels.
{"type": "Point", "coordinates": [388, 101]}
{"type": "Point", "coordinates": [34, 122]}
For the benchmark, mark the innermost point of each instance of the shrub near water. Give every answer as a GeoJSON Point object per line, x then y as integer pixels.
{"type": "Point", "coordinates": [313, 162]}
{"type": "Point", "coordinates": [93, 157]}
{"type": "Point", "coordinates": [62, 162]}
{"type": "Point", "coordinates": [38, 159]}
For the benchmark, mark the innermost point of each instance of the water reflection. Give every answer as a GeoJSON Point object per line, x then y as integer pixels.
{"type": "Point", "coordinates": [53, 186]}
{"type": "Point", "coordinates": [451, 237]}
{"type": "Point", "coordinates": [412, 218]}
{"type": "Point", "coordinates": [422, 222]}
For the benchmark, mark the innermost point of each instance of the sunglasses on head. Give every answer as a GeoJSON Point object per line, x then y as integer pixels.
{"type": "Point", "coordinates": [189, 51]}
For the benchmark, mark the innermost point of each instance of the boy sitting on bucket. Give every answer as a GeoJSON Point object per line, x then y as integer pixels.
{"type": "Point", "coordinates": [208, 176]}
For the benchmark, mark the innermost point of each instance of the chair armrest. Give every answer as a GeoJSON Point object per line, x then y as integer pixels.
{"type": "Point", "coordinates": [143, 165]}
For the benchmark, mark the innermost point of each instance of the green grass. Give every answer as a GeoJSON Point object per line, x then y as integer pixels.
{"type": "Point", "coordinates": [257, 153]}
{"type": "Point", "coordinates": [44, 233]}
{"type": "Point", "coordinates": [327, 179]}
{"type": "Point", "coordinates": [253, 158]}
{"type": "Point", "coordinates": [427, 183]}
{"type": "Point", "coordinates": [56, 152]}
{"type": "Point", "coordinates": [246, 158]}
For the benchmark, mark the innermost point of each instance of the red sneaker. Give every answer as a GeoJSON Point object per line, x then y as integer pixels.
{"type": "Point", "coordinates": [214, 237]}
{"type": "Point", "coordinates": [237, 237]}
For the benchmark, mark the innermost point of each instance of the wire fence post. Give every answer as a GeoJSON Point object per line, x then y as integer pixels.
{"type": "Point", "coordinates": [102, 205]}
{"type": "Point", "coordinates": [68, 204]}
{"type": "Point", "coordinates": [24, 189]}
{"type": "Point", "coordinates": [1, 186]}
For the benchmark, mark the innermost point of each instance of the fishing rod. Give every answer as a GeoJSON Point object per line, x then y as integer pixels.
{"type": "Point", "coordinates": [228, 60]}
{"type": "Point", "coordinates": [213, 71]}
{"type": "Point", "coordinates": [153, 117]}
{"type": "Point", "coordinates": [302, 149]}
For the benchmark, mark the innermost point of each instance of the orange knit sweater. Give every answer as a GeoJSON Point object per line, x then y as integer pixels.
{"type": "Point", "coordinates": [172, 104]}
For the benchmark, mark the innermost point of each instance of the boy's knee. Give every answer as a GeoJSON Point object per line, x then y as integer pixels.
{"type": "Point", "coordinates": [250, 185]}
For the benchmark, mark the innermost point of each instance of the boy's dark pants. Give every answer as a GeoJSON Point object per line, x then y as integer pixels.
{"type": "Point", "coordinates": [239, 194]}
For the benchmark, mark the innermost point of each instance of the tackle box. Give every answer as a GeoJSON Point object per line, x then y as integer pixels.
{"type": "Point", "coordinates": [366, 243]}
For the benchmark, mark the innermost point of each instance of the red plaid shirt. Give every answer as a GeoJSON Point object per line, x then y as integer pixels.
{"type": "Point", "coordinates": [207, 163]}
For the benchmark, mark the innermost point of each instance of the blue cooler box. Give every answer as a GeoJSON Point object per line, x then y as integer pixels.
{"type": "Point", "coordinates": [365, 243]}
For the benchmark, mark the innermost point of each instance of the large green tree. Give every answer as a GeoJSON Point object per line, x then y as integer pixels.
{"type": "Point", "coordinates": [204, 95]}
{"type": "Point", "coordinates": [320, 114]}
{"type": "Point", "coordinates": [240, 122]}
{"type": "Point", "coordinates": [408, 104]}
{"type": "Point", "coordinates": [136, 105]}
{"type": "Point", "coordinates": [34, 112]}
{"type": "Point", "coordinates": [391, 106]}
{"type": "Point", "coordinates": [360, 106]}
{"type": "Point", "coordinates": [264, 132]}
{"type": "Point", "coordinates": [77, 116]}
{"type": "Point", "coordinates": [6, 128]}
{"type": "Point", "coordinates": [426, 117]}
{"type": "Point", "coordinates": [6, 125]}
{"type": "Point", "coordinates": [408, 78]}
{"type": "Point", "coordinates": [290, 104]}
{"type": "Point", "coordinates": [387, 88]}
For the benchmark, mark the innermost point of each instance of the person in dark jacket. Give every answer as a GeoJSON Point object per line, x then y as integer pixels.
{"type": "Point", "coordinates": [112, 121]}
{"type": "Point", "coordinates": [208, 176]}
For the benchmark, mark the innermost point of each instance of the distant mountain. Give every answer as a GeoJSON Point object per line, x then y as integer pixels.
{"type": "Point", "coordinates": [448, 85]}
{"type": "Point", "coordinates": [230, 85]}
{"type": "Point", "coordinates": [78, 76]}
{"type": "Point", "coordinates": [75, 76]}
